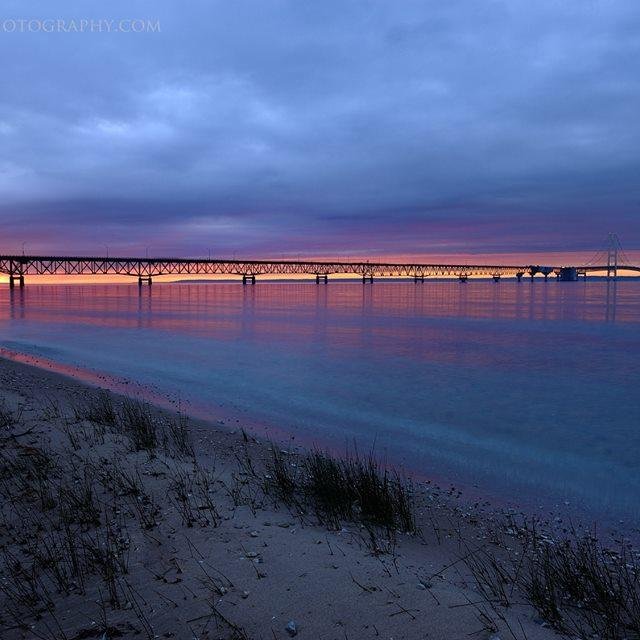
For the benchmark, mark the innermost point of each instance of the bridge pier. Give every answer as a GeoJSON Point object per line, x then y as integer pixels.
{"type": "Point", "coordinates": [13, 278]}
{"type": "Point", "coordinates": [463, 277]}
{"type": "Point", "coordinates": [322, 278]}
{"type": "Point", "coordinates": [143, 279]}
{"type": "Point", "coordinates": [248, 278]}
{"type": "Point", "coordinates": [519, 275]}
{"type": "Point", "coordinates": [418, 278]}
{"type": "Point", "coordinates": [365, 278]}
{"type": "Point", "coordinates": [496, 277]}
{"type": "Point", "coordinates": [568, 274]}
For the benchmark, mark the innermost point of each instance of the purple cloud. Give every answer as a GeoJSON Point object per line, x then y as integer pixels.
{"type": "Point", "coordinates": [345, 128]}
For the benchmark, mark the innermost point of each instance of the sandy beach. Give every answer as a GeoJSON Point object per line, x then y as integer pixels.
{"type": "Point", "coordinates": [182, 531]}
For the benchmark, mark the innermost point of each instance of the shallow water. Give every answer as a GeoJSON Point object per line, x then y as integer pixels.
{"type": "Point", "coordinates": [529, 392]}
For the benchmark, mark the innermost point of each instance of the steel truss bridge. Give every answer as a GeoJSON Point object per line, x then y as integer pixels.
{"type": "Point", "coordinates": [17, 267]}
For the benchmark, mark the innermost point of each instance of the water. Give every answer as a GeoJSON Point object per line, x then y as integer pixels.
{"type": "Point", "coordinates": [524, 392]}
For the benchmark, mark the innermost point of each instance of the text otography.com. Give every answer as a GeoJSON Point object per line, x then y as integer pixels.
{"type": "Point", "coordinates": [80, 25]}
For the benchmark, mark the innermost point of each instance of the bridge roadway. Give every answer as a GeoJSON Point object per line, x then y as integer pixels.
{"type": "Point", "coordinates": [19, 266]}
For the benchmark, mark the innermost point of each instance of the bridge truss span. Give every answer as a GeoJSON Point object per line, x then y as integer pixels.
{"type": "Point", "coordinates": [17, 267]}
{"type": "Point", "coordinates": [20, 266]}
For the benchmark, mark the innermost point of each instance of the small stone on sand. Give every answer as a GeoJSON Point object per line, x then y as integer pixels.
{"type": "Point", "coordinates": [291, 628]}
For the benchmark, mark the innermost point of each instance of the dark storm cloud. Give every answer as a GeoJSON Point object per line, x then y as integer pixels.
{"type": "Point", "coordinates": [323, 126]}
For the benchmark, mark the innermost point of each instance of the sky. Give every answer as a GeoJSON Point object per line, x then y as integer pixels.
{"type": "Point", "coordinates": [278, 128]}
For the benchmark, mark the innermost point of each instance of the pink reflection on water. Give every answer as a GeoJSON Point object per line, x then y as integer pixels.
{"type": "Point", "coordinates": [399, 318]}
{"type": "Point", "coordinates": [216, 306]}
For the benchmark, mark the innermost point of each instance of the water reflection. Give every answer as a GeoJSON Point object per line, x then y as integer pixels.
{"type": "Point", "coordinates": [17, 303]}
{"type": "Point", "coordinates": [605, 301]}
{"type": "Point", "coordinates": [612, 300]}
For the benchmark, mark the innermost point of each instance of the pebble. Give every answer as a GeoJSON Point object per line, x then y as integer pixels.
{"type": "Point", "coordinates": [291, 628]}
{"type": "Point", "coordinates": [254, 534]}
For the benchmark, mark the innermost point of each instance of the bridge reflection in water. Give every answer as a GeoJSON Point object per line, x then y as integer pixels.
{"type": "Point", "coordinates": [594, 301]}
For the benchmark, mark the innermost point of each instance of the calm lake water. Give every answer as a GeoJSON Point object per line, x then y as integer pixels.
{"type": "Point", "coordinates": [525, 392]}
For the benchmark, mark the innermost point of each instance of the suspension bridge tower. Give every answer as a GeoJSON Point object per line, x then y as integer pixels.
{"type": "Point", "coordinates": [613, 247]}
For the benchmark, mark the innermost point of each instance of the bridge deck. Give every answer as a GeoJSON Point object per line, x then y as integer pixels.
{"type": "Point", "coordinates": [20, 266]}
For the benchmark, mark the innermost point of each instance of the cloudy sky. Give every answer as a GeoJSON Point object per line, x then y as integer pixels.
{"type": "Point", "coordinates": [286, 127]}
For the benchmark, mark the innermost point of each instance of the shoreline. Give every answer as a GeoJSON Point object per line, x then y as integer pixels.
{"type": "Point", "coordinates": [228, 420]}
{"type": "Point", "coordinates": [327, 581]}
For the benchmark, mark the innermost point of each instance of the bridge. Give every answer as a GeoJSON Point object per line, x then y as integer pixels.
{"type": "Point", "coordinates": [17, 267]}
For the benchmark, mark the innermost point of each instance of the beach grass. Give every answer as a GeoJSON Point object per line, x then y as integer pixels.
{"type": "Point", "coordinates": [352, 488]}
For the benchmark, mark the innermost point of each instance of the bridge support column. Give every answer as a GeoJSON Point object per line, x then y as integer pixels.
{"type": "Point", "coordinates": [463, 277]}
{"type": "Point", "coordinates": [248, 278]}
{"type": "Point", "coordinates": [369, 278]}
{"type": "Point", "coordinates": [417, 278]}
{"type": "Point", "coordinates": [143, 279]}
{"type": "Point", "coordinates": [519, 276]}
{"type": "Point", "coordinates": [532, 270]}
{"type": "Point", "coordinates": [496, 277]}
{"type": "Point", "coordinates": [16, 277]}
{"type": "Point", "coordinates": [322, 278]}
{"type": "Point", "coordinates": [568, 274]}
